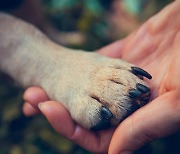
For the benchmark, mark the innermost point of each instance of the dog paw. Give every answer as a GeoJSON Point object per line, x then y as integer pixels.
{"type": "Point", "coordinates": [103, 91]}
{"type": "Point", "coordinates": [99, 92]}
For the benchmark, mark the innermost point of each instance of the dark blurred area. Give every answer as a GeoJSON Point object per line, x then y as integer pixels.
{"type": "Point", "coordinates": [84, 24]}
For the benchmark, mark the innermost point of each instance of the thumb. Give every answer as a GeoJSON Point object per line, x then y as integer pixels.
{"type": "Point", "coordinates": [157, 119]}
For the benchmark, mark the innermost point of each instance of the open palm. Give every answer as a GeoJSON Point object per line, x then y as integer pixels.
{"type": "Point", "coordinates": [156, 48]}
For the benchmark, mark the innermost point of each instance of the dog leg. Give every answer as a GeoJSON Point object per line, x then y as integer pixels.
{"type": "Point", "coordinates": [98, 91]}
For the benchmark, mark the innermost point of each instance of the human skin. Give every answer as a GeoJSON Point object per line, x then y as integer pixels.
{"type": "Point", "coordinates": [154, 47]}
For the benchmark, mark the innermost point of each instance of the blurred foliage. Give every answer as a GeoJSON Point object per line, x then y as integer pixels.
{"type": "Point", "coordinates": [85, 16]}
{"type": "Point", "coordinates": [92, 18]}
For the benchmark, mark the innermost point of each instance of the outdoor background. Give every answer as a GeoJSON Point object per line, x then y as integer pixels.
{"type": "Point", "coordinates": [84, 24]}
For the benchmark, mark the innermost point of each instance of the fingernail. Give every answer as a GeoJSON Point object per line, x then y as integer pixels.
{"type": "Point", "coordinates": [41, 106]}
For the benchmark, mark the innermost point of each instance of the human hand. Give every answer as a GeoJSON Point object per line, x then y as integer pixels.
{"type": "Point", "coordinates": [61, 121]}
{"type": "Point", "coordinates": [154, 48]}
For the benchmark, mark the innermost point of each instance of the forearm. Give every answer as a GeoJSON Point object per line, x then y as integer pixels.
{"type": "Point", "coordinates": [23, 46]}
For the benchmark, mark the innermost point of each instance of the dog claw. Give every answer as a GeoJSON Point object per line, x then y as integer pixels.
{"type": "Point", "coordinates": [139, 71]}
{"type": "Point", "coordinates": [145, 99]}
{"type": "Point", "coordinates": [106, 113]}
{"type": "Point", "coordinates": [141, 95]}
{"type": "Point", "coordinates": [104, 122]}
{"type": "Point", "coordinates": [142, 88]}
{"type": "Point", "coordinates": [134, 93]}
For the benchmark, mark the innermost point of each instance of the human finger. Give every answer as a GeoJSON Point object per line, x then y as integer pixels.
{"type": "Point", "coordinates": [35, 95]}
{"type": "Point", "coordinates": [157, 119]}
{"type": "Point", "coordinates": [29, 110]}
{"type": "Point", "coordinates": [61, 121]}
{"type": "Point", "coordinates": [113, 50]}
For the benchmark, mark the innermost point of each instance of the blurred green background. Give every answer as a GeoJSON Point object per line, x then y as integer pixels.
{"type": "Point", "coordinates": [84, 24]}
